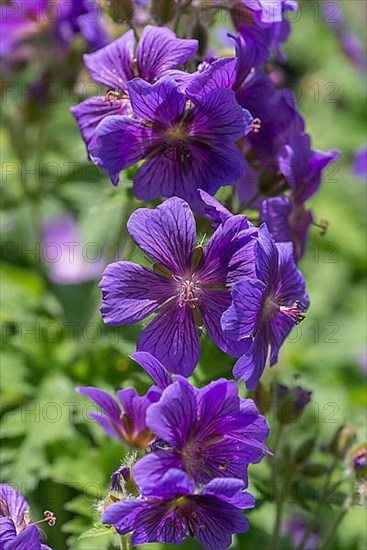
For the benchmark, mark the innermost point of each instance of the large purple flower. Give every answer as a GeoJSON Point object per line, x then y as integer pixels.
{"type": "Point", "coordinates": [188, 286]}
{"type": "Point", "coordinates": [170, 509]}
{"type": "Point", "coordinates": [129, 424]}
{"type": "Point", "coordinates": [208, 433]}
{"type": "Point", "coordinates": [17, 532]}
{"type": "Point", "coordinates": [159, 52]}
{"type": "Point", "coordinates": [185, 146]}
{"type": "Point", "coordinates": [265, 308]}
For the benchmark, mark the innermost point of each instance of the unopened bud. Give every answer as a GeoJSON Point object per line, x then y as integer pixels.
{"type": "Point", "coordinates": [291, 402]}
{"type": "Point", "coordinates": [163, 11]}
{"type": "Point", "coordinates": [342, 441]}
{"type": "Point", "coordinates": [120, 10]}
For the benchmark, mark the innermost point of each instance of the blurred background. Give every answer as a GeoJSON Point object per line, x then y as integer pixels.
{"type": "Point", "coordinates": [61, 223]}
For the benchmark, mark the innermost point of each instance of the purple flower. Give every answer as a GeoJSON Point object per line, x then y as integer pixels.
{"type": "Point", "coordinates": [63, 253]}
{"type": "Point", "coordinates": [17, 532]}
{"type": "Point", "coordinates": [291, 402]}
{"type": "Point", "coordinates": [158, 52]}
{"type": "Point", "coordinates": [208, 433]}
{"type": "Point", "coordinates": [129, 424]}
{"type": "Point", "coordinates": [171, 509]}
{"type": "Point", "coordinates": [188, 286]}
{"type": "Point", "coordinates": [296, 528]}
{"type": "Point", "coordinates": [121, 475]}
{"type": "Point", "coordinates": [267, 12]}
{"type": "Point", "coordinates": [184, 147]}
{"type": "Point", "coordinates": [19, 21]}
{"type": "Point", "coordinates": [360, 163]}
{"type": "Point", "coordinates": [265, 308]}
{"type": "Point", "coordinates": [303, 167]}
{"type": "Point", "coordinates": [214, 209]}
{"type": "Point", "coordinates": [287, 222]}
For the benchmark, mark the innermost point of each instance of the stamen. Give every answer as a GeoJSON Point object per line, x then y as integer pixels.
{"type": "Point", "coordinates": [113, 95]}
{"type": "Point", "coordinates": [50, 519]}
{"type": "Point", "coordinates": [297, 312]}
{"type": "Point", "coordinates": [187, 295]}
{"type": "Point", "coordinates": [256, 125]}
{"type": "Point", "coordinates": [323, 225]}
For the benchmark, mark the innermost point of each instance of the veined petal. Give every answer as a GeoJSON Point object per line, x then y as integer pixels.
{"type": "Point", "coordinates": [131, 292]}
{"type": "Point", "coordinates": [29, 539]}
{"type": "Point", "coordinates": [291, 284]}
{"type": "Point", "coordinates": [154, 368]}
{"type": "Point", "coordinates": [266, 254]}
{"type": "Point", "coordinates": [252, 364]}
{"type": "Point", "coordinates": [15, 502]}
{"type": "Point", "coordinates": [174, 416]}
{"type": "Point", "coordinates": [112, 65]}
{"type": "Point", "coordinates": [160, 50]}
{"type": "Point", "coordinates": [280, 327]}
{"type": "Point", "coordinates": [166, 234]}
{"type": "Point", "coordinates": [119, 142]}
{"type": "Point", "coordinates": [152, 467]}
{"type": "Point", "coordinates": [219, 75]}
{"type": "Point", "coordinates": [173, 338]}
{"type": "Point", "coordinates": [103, 400]}
{"type": "Point", "coordinates": [7, 531]}
{"type": "Point", "coordinates": [242, 318]}
{"type": "Point", "coordinates": [219, 118]}
{"type": "Point", "coordinates": [214, 209]}
{"type": "Point", "coordinates": [92, 111]}
{"type": "Point", "coordinates": [161, 103]}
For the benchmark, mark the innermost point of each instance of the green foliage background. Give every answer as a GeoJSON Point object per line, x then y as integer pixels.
{"type": "Point", "coordinates": [51, 452]}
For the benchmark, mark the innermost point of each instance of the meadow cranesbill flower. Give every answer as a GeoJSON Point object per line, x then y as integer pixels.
{"type": "Point", "coordinates": [159, 51]}
{"type": "Point", "coordinates": [296, 527]}
{"type": "Point", "coordinates": [17, 531]}
{"type": "Point", "coordinates": [360, 163]}
{"type": "Point", "coordinates": [188, 287]}
{"type": "Point", "coordinates": [266, 308]}
{"type": "Point", "coordinates": [63, 244]}
{"type": "Point", "coordinates": [208, 433]}
{"type": "Point", "coordinates": [185, 146]}
{"type": "Point", "coordinates": [127, 424]}
{"type": "Point", "coordinates": [172, 508]}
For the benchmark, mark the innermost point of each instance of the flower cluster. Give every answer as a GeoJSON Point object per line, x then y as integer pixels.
{"type": "Point", "coordinates": [200, 443]}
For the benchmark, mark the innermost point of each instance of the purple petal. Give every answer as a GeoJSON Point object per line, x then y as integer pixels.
{"type": "Point", "coordinates": [160, 50]}
{"type": "Point", "coordinates": [281, 326]}
{"type": "Point", "coordinates": [252, 364]}
{"type": "Point", "coordinates": [319, 161]}
{"type": "Point", "coordinates": [136, 406]}
{"type": "Point", "coordinates": [131, 292]}
{"type": "Point", "coordinates": [112, 65]}
{"type": "Point", "coordinates": [7, 531]}
{"type": "Point", "coordinates": [212, 306]}
{"type": "Point", "coordinates": [29, 539]}
{"type": "Point", "coordinates": [242, 318]}
{"type": "Point", "coordinates": [230, 490]}
{"type": "Point", "coordinates": [360, 163]}
{"type": "Point", "coordinates": [103, 400]}
{"type": "Point", "coordinates": [122, 515]}
{"type": "Point", "coordinates": [15, 502]}
{"type": "Point", "coordinates": [166, 234]}
{"type": "Point", "coordinates": [172, 485]}
{"type": "Point", "coordinates": [219, 75]}
{"type": "Point", "coordinates": [266, 256]}
{"type": "Point", "coordinates": [229, 252]}
{"type": "Point", "coordinates": [152, 467]}
{"type": "Point", "coordinates": [214, 209]}
{"type": "Point", "coordinates": [291, 284]}
{"type": "Point", "coordinates": [221, 520]}
{"type": "Point", "coordinates": [294, 159]}
{"type": "Point", "coordinates": [205, 167]}
{"type": "Point", "coordinates": [119, 142]}
{"type": "Point", "coordinates": [161, 103]}
{"type": "Point", "coordinates": [92, 111]}
{"type": "Point", "coordinates": [219, 118]}
{"type": "Point", "coordinates": [111, 429]}
{"type": "Point", "coordinates": [154, 368]}
{"type": "Point", "coordinates": [173, 338]}
{"type": "Point", "coordinates": [174, 416]}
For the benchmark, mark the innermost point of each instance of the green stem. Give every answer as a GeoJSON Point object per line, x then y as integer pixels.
{"type": "Point", "coordinates": [125, 542]}
{"type": "Point", "coordinates": [279, 501]}
{"type": "Point", "coordinates": [316, 517]}
{"type": "Point", "coordinates": [331, 534]}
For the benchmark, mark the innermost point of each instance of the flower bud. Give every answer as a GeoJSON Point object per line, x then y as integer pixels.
{"type": "Point", "coordinates": [120, 10]}
{"type": "Point", "coordinates": [290, 403]}
{"type": "Point", "coordinates": [200, 33]}
{"type": "Point", "coordinates": [163, 11]}
{"type": "Point", "coordinates": [357, 459]}
{"type": "Point", "coordinates": [342, 441]}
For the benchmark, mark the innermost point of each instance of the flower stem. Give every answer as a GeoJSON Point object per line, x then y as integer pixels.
{"type": "Point", "coordinates": [314, 520]}
{"type": "Point", "coordinates": [125, 542]}
{"type": "Point", "coordinates": [331, 534]}
{"type": "Point", "coordinates": [279, 501]}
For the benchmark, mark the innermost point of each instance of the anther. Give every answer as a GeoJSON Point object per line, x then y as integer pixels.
{"type": "Point", "coordinates": [297, 312]}
{"type": "Point", "coordinates": [50, 519]}
{"type": "Point", "coordinates": [256, 125]}
{"type": "Point", "coordinates": [323, 225]}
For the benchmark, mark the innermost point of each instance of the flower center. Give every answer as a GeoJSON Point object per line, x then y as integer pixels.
{"type": "Point", "coordinates": [189, 288]}
{"type": "Point", "coordinates": [177, 151]}
{"type": "Point", "coordinates": [297, 311]}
